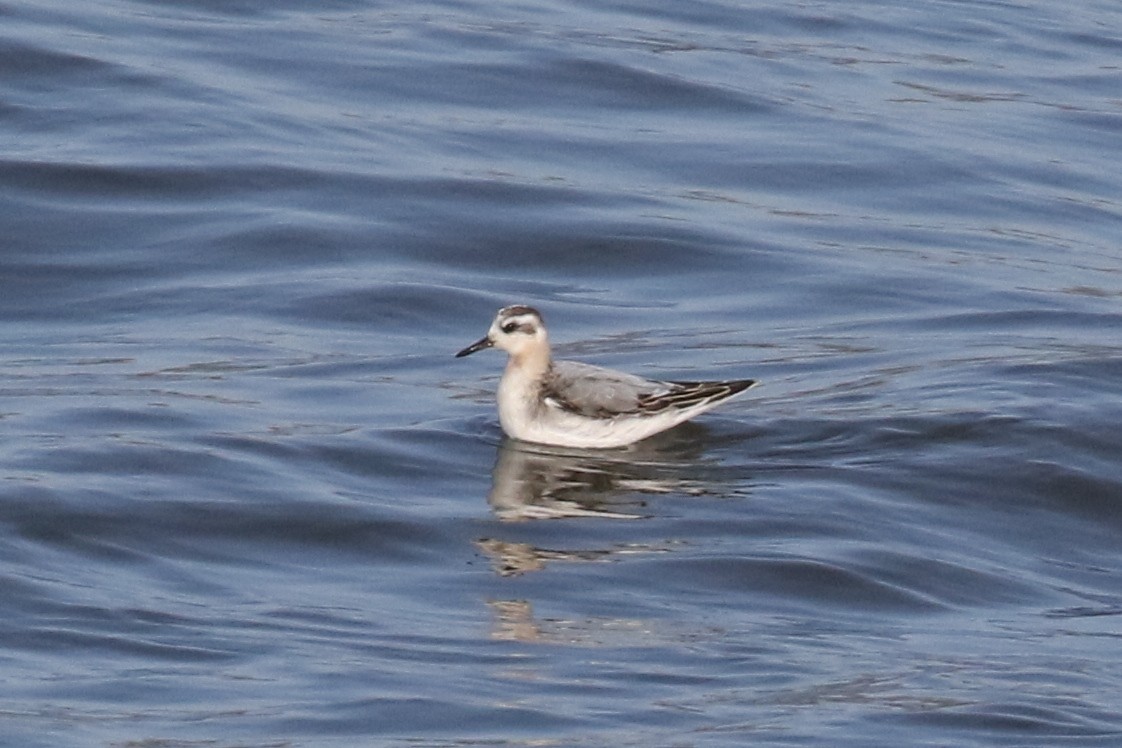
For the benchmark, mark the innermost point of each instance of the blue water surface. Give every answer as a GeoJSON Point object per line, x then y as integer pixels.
{"type": "Point", "coordinates": [249, 497]}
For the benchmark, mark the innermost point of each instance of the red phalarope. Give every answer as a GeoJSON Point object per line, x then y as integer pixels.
{"type": "Point", "coordinates": [570, 404]}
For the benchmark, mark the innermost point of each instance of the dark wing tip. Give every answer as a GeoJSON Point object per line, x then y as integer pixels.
{"type": "Point", "coordinates": [737, 386]}
{"type": "Point", "coordinates": [733, 386]}
{"type": "Point", "coordinates": [687, 394]}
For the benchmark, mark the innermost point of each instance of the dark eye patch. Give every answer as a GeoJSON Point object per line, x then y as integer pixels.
{"type": "Point", "coordinates": [523, 326]}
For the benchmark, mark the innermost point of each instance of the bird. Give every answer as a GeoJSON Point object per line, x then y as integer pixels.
{"type": "Point", "coordinates": [573, 404]}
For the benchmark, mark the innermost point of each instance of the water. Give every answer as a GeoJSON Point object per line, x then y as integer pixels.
{"type": "Point", "coordinates": [250, 499]}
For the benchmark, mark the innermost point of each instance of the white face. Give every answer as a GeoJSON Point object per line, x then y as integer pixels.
{"type": "Point", "coordinates": [517, 329]}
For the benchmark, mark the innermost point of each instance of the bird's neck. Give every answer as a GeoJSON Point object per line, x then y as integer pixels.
{"type": "Point", "coordinates": [532, 364]}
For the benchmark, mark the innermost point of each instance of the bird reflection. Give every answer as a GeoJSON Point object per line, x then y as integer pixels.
{"type": "Point", "coordinates": [511, 559]}
{"type": "Point", "coordinates": [534, 482]}
{"type": "Point", "coordinates": [514, 621]}
{"type": "Point", "coordinates": [531, 481]}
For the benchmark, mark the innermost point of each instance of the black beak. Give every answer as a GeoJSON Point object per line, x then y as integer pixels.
{"type": "Point", "coordinates": [478, 345]}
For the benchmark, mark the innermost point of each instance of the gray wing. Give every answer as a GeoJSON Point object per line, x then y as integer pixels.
{"type": "Point", "coordinates": [593, 391]}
